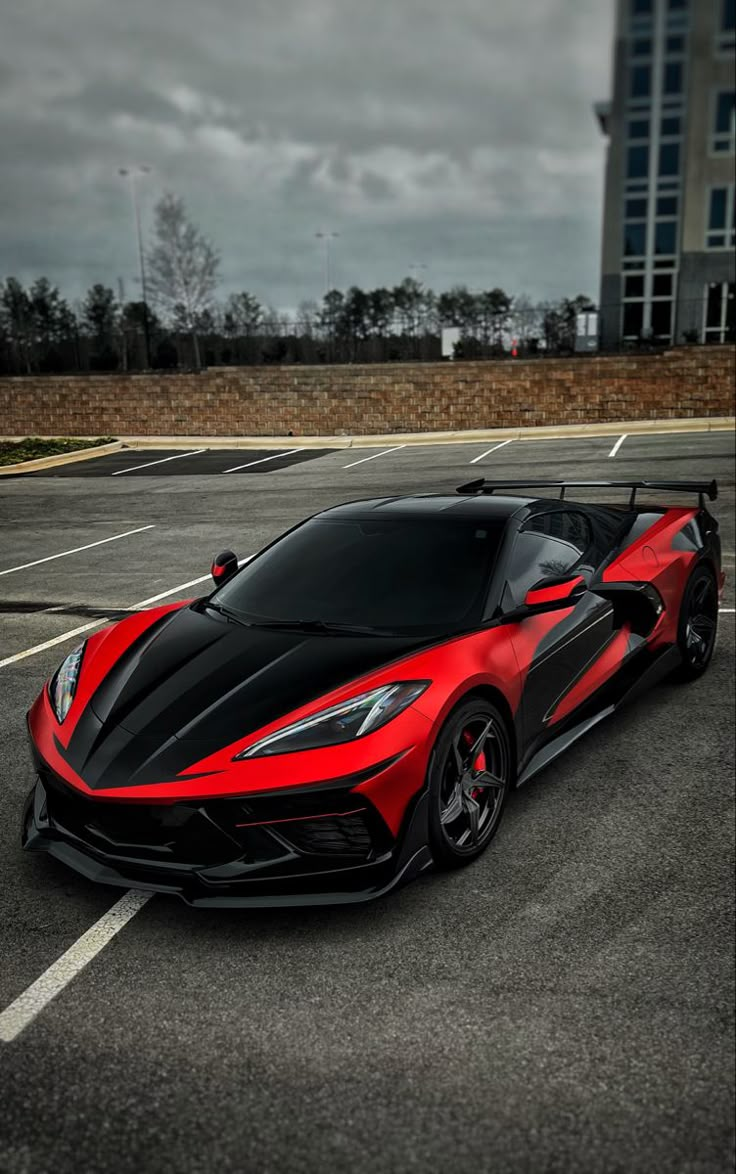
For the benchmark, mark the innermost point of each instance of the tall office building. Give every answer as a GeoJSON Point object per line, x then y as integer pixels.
{"type": "Point", "coordinates": [668, 235]}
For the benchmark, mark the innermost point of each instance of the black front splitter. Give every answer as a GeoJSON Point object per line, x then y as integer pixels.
{"type": "Point", "coordinates": [410, 858]}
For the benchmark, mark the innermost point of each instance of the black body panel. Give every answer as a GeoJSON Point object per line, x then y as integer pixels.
{"type": "Point", "coordinates": [562, 656]}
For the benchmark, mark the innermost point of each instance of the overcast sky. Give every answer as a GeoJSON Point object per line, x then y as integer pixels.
{"type": "Point", "coordinates": [456, 134]}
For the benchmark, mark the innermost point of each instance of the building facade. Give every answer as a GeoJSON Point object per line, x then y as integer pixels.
{"type": "Point", "coordinates": [668, 267]}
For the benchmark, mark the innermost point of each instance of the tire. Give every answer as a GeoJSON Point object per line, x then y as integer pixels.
{"type": "Point", "coordinates": [466, 799]}
{"type": "Point", "coordinates": [698, 624]}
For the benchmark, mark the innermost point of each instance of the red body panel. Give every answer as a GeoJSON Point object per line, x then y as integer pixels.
{"type": "Point", "coordinates": [551, 594]}
{"type": "Point", "coordinates": [652, 558]}
{"type": "Point", "coordinates": [608, 663]}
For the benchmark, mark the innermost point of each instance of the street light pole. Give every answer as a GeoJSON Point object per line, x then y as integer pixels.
{"type": "Point", "coordinates": [132, 174]}
{"type": "Point", "coordinates": [327, 238]}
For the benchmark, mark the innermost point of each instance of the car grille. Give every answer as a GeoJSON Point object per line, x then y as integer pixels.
{"type": "Point", "coordinates": [340, 835]}
{"type": "Point", "coordinates": [315, 825]}
{"type": "Point", "coordinates": [178, 833]}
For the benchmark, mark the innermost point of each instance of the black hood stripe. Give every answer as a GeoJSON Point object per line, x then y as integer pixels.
{"type": "Point", "coordinates": [197, 684]}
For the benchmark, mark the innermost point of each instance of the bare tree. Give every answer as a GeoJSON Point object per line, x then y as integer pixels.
{"type": "Point", "coordinates": [182, 267]}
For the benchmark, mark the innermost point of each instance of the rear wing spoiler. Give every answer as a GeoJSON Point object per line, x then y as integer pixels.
{"type": "Point", "coordinates": [704, 489]}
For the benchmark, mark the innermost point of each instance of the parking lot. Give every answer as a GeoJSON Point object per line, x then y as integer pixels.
{"type": "Point", "coordinates": [565, 1004]}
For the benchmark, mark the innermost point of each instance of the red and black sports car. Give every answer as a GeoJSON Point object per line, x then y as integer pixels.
{"type": "Point", "coordinates": [354, 704]}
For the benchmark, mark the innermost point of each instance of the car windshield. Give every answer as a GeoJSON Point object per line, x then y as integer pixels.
{"type": "Point", "coordinates": [400, 575]}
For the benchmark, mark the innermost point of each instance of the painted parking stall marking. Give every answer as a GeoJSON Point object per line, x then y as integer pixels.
{"type": "Point", "coordinates": [488, 452]}
{"type": "Point", "coordinates": [76, 550]}
{"type": "Point", "coordinates": [48, 985]}
{"type": "Point", "coordinates": [262, 460]}
{"type": "Point", "coordinates": [617, 445]}
{"type": "Point", "coordinates": [161, 461]}
{"type": "Point", "coordinates": [374, 456]}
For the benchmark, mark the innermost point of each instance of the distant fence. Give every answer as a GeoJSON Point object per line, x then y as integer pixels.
{"type": "Point", "coordinates": [531, 334]}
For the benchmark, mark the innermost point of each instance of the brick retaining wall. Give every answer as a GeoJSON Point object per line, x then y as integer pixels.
{"type": "Point", "coordinates": [345, 400]}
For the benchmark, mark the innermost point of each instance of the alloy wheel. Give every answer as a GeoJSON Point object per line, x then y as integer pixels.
{"type": "Point", "coordinates": [474, 781]}
{"type": "Point", "coordinates": [700, 624]}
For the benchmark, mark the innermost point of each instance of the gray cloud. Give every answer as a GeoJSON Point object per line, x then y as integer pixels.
{"type": "Point", "coordinates": [459, 135]}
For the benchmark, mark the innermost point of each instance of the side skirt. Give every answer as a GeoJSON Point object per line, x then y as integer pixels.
{"type": "Point", "coordinates": [612, 695]}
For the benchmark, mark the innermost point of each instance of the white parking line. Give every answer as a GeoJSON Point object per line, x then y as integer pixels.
{"type": "Point", "coordinates": [488, 452]}
{"type": "Point", "coordinates": [99, 623]}
{"type": "Point", "coordinates": [618, 444]}
{"type": "Point", "coordinates": [161, 461]}
{"type": "Point", "coordinates": [63, 554]}
{"type": "Point", "coordinates": [262, 460]}
{"type": "Point", "coordinates": [48, 985]}
{"type": "Point", "coordinates": [374, 456]}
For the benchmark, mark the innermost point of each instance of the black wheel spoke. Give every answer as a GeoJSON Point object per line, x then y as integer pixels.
{"type": "Point", "coordinates": [458, 759]}
{"type": "Point", "coordinates": [486, 779]}
{"type": "Point", "coordinates": [472, 810]}
{"type": "Point", "coordinates": [480, 742]}
{"type": "Point", "coordinates": [454, 808]}
{"type": "Point", "coordinates": [703, 624]}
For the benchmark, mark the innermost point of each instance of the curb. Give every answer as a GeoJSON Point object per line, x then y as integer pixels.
{"type": "Point", "coordinates": [62, 458]}
{"type": "Point", "coordinates": [474, 436]}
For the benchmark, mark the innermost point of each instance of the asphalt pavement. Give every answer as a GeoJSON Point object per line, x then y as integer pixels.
{"type": "Point", "coordinates": [564, 1004]}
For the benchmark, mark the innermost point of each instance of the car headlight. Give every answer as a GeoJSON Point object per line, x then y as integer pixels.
{"type": "Point", "coordinates": [341, 723]}
{"type": "Point", "coordinates": [63, 684]}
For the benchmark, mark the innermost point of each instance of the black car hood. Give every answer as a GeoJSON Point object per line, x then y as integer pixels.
{"type": "Point", "coordinates": [194, 683]}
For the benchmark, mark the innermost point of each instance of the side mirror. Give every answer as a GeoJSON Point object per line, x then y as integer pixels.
{"type": "Point", "coordinates": [555, 591]}
{"type": "Point", "coordinates": [224, 567]}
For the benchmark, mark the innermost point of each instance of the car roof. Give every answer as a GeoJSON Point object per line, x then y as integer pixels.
{"type": "Point", "coordinates": [432, 505]}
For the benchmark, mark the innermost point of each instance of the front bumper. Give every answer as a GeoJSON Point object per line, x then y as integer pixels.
{"type": "Point", "coordinates": [325, 846]}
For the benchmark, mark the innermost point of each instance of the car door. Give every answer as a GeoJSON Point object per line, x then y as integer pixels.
{"type": "Point", "coordinates": [554, 646]}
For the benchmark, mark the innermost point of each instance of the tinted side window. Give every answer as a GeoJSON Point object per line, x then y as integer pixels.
{"type": "Point", "coordinates": [536, 556]}
{"type": "Point", "coordinates": [567, 525]}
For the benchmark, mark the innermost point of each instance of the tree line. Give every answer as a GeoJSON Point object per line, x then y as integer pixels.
{"type": "Point", "coordinates": [181, 322]}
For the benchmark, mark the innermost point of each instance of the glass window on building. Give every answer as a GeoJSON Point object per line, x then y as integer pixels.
{"type": "Point", "coordinates": [723, 139]}
{"type": "Point", "coordinates": [642, 7]}
{"type": "Point", "coordinates": [727, 31]}
{"type": "Point", "coordinates": [720, 233]}
{"type": "Point", "coordinates": [676, 5]}
{"type": "Point", "coordinates": [720, 312]}
{"type": "Point", "coordinates": [639, 128]}
{"type": "Point", "coordinates": [634, 285]}
{"type": "Point", "coordinates": [672, 78]}
{"type": "Point", "coordinates": [641, 81]}
{"type": "Point", "coordinates": [669, 159]}
{"type": "Point", "coordinates": [662, 319]}
{"type": "Point", "coordinates": [665, 237]}
{"type": "Point", "coordinates": [637, 163]}
{"type": "Point", "coordinates": [667, 206]}
{"type": "Point", "coordinates": [662, 285]}
{"type": "Point", "coordinates": [635, 240]}
{"type": "Point", "coordinates": [641, 47]}
{"type": "Point", "coordinates": [675, 43]}
{"type": "Point", "coordinates": [671, 126]}
{"type": "Point", "coordinates": [636, 209]}
{"type": "Point", "coordinates": [633, 319]}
